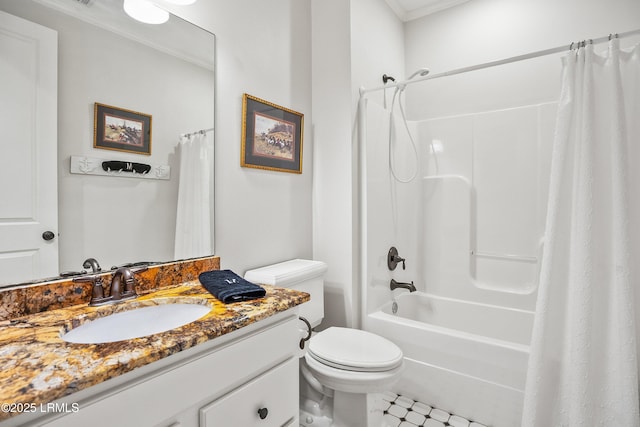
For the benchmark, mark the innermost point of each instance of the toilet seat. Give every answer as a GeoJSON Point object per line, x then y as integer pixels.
{"type": "Point", "coordinates": [354, 350]}
{"type": "Point", "coordinates": [350, 381]}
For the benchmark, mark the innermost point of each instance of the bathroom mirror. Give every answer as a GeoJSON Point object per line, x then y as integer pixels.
{"type": "Point", "coordinates": [164, 71]}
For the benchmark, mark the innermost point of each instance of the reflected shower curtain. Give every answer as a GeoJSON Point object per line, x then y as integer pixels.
{"type": "Point", "coordinates": [583, 367]}
{"type": "Point", "coordinates": [193, 217]}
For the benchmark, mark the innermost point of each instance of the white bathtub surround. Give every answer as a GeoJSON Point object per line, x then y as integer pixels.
{"type": "Point", "coordinates": [583, 364]}
{"type": "Point", "coordinates": [402, 411]}
{"type": "Point", "coordinates": [470, 228]}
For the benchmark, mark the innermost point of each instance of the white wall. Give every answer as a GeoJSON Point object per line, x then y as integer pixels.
{"type": "Point", "coordinates": [332, 183]}
{"type": "Point", "coordinates": [113, 219]}
{"type": "Point", "coordinates": [485, 30]}
{"type": "Point", "coordinates": [263, 48]}
{"type": "Point", "coordinates": [354, 44]}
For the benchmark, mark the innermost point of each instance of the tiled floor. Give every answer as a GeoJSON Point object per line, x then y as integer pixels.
{"type": "Point", "coordinates": [400, 411]}
{"type": "Point", "coordinates": [392, 410]}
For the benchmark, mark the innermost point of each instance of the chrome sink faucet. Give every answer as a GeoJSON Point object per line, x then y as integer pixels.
{"type": "Point", "coordinates": [395, 285]}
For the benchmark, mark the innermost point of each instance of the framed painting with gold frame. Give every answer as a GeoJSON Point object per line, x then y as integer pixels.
{"type": "Point", "coordinates": [123, 130]}
{"type": "Point", "coordinates": [271, 136]}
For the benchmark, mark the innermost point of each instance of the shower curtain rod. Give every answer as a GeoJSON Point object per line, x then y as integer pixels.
{"type": "Point", "coordinates": [517, 58]}
{"type": "Point", "coordinates": [203, 131]}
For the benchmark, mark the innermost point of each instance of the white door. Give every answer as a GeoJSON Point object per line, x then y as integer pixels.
{"type": "Point", "coordinates": [28, 150]}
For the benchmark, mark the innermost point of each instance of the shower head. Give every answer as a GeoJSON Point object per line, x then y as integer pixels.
{"type": "Point", "coordinates": [422, 72]}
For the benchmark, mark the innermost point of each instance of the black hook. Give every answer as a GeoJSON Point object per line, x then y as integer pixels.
{"type": "Point", "coordinates": [386, 78]}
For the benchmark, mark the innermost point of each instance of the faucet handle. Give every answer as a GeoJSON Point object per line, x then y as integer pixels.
{"type": "Point", "coordinates": [126, 275]}
{"type": "Point", "coordinates": [393, 259]}
{"type": "Point", "coordinates": [97, 291]}
{"type": "Point", "coordinates": [130, 284]}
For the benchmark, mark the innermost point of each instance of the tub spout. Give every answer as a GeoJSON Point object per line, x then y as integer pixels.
{"type": "Point", "coordinates": [395, 285]}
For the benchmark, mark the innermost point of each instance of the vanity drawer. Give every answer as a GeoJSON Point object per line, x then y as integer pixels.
{"type": "Point", "coordinates": [269, 400]}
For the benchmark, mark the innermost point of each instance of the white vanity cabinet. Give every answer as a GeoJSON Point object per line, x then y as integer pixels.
{"type": "Point", "coordinates": [245, 378]}
{"type": "Point", "coordinates": [261, 402]}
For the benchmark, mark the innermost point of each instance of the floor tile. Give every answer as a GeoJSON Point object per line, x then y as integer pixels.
{"type": "Point", "coordinates": [397, 411]}
{"type": "Point", "coordinates": [415, 418]}
{"type": "Point", "coordinates": [421, 408]}
{"type": "Point", "coordinates": [405, 402]}
{"type": "Point", "coordinates": [404, 411]}
{"type": "Point", "coordinates": [389, 396]}
{"type": "Point", "coordinates": [456, 421]}
{"type": "Point", "coordinates": [390, 421]}
{"type": "Point", "coordinates": [439, 415]}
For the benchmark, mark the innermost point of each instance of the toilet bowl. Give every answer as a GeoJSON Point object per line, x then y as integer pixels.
{"type": "Point", "coordinates": [353, 361]}
{"type": "Point", "coordinates": [341, 364]}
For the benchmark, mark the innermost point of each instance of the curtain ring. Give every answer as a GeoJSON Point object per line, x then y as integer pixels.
{"type": "Point", "coordinates": [571, 46]}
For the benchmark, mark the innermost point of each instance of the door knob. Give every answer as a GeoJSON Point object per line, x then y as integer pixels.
{"type": "Point", "coordinates": [48, 235]}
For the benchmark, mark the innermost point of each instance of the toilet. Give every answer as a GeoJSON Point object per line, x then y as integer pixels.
{"type": "Point", "coordinates": [340, 367]}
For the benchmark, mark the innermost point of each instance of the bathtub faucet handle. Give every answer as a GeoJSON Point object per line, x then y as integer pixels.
{"type": "Point", "coordinates": [393, 259]}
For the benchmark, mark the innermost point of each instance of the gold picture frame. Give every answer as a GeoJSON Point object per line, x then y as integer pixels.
{"type": "Point", "coordinates": [271, 136]}
{"type": "Point", "coordinates": [119, 129]}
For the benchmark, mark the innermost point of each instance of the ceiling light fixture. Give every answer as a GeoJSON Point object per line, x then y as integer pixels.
{"type": "Point", "coordinates": [181, 2]}
{"type": "Point", "coordinates": [145, 11]}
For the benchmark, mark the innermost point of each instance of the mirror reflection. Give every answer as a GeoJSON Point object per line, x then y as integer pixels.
{"type": "Point", "coordinates": [103, 56]}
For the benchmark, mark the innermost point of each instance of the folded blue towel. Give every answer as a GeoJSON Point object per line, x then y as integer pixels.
{"type": "Point", "coordinates": [228, 287]}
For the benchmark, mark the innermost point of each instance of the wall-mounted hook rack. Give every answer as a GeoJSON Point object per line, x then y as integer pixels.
{"type": "Point", "coordinates": [109, 167]}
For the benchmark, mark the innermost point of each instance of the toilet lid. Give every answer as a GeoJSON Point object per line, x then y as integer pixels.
{"type": "Point", "coordinates": [354, 350]}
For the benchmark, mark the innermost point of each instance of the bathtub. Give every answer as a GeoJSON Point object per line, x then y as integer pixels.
{"type": "Point", "coordinates": [461, 356]}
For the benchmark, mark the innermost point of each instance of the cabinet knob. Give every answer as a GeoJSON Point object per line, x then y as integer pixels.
{"type": "Point", "coordinates": [48, 235]}
{"type": "Point", "coordinates": [262, 413]}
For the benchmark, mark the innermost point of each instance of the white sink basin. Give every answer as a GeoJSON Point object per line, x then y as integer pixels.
{"type": "Point", "coordinates": [136, 323]}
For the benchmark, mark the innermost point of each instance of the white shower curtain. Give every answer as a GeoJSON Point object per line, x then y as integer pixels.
{"type": "Point", "coordinates": [194, 216]}
{"type": "Point", "coordinates": [583, 367]}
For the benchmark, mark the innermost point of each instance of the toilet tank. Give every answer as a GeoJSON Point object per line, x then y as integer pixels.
{"type": "Point", "coordinates": [299, 274]}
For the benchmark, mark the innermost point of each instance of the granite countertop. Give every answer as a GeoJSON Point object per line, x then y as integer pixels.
{"type": "Point", "coordinates": [37, 366]}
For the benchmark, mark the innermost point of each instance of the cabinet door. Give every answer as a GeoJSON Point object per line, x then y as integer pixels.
{"type": "Point", "coordinates": [269, 400]}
